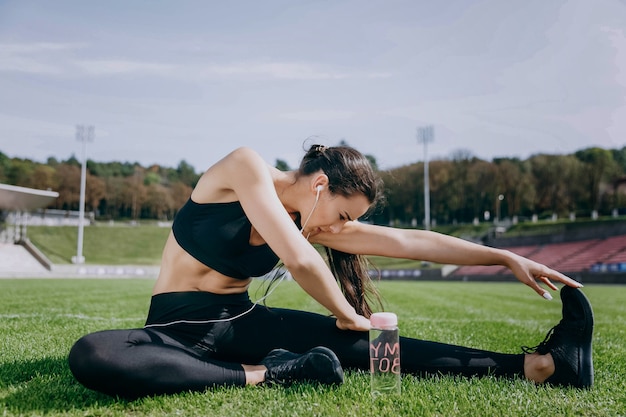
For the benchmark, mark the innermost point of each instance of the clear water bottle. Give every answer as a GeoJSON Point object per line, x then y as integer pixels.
{"type": "Point", "coordinates": [384, 354]}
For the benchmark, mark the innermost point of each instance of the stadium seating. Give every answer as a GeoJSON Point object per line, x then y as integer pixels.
{"type": "Point", "coordinates": [566, 257]}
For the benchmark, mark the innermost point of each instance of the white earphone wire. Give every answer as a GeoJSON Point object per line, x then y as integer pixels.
{"type": "Point", "coordinates": [317, 198]}
{"type": "Point", "coordinates": [171, 323]}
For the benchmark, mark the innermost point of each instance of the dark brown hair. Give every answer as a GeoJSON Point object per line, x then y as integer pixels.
{"type": "Point", "coordinates": [349, 173]}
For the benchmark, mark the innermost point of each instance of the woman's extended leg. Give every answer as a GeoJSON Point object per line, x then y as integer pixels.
{"type": "Point", "coordinates": [563, 358]}
{"type": "Point", "coordinates": [252, 336]}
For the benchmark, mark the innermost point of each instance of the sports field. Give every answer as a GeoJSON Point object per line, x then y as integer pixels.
{"type": "Point", "coordinates": [41, 318]}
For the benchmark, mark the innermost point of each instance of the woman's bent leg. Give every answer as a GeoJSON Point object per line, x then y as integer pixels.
{"type": "Point", "coordinates": [135, 363]}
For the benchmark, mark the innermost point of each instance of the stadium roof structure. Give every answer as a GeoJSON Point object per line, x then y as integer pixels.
{"type": "Point", "coordinates": [16, 198]}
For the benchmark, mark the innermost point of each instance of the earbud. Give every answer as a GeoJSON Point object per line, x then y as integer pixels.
{"type": "Point", "coordinates": [319, 188]}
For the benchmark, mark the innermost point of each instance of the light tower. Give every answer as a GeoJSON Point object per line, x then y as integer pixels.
{"type": "Point", "coordinates": [84, 134]}
{"type": "Point", "coordinates": [425, 135]}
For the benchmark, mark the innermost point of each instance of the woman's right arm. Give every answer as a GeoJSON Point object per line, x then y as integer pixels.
{"type": "Point", "coordinates": [431, 246]}
{"type": "Point", "coordinates": [247, 174]}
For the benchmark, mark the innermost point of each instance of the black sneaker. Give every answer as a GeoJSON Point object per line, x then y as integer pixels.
{"type": "Point", "coordinates": [569, 342]}
{"type": "Point", "coordinates": [319, 364]}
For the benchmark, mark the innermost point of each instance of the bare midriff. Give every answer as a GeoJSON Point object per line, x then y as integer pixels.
{"type": "Point", "coordinates": [182, 272]}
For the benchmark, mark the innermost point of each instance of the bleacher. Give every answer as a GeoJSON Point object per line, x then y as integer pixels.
{"type": "Point", "coordinates": [585, 256]}
{"type": "Point", "coordinates": [16, 261]}
{"type": "Point", "coordinates": [558, 254]}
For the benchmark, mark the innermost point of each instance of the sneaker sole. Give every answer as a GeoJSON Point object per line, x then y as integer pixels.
{"type": "Point", "coordinates": [585, 360]}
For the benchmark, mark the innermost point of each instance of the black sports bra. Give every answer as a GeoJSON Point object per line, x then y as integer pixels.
{"type": "Point", "coordinates": [218, 235]}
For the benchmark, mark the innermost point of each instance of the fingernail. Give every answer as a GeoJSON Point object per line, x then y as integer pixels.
{"type": "Point", "coordinates": [547, 296]}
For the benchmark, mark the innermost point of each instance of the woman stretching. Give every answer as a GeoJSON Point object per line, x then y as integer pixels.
{"type": "Point", "coordinates": [243, 217]}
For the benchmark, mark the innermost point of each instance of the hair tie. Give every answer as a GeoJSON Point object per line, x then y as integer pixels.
{"type": "Point", "coordinates": [320, 148]}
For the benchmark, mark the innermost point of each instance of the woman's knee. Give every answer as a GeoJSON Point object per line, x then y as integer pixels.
{"type": "Point", "coordinates": [86, 357]}
{"type": "Point", "coordinates": [97, 357]}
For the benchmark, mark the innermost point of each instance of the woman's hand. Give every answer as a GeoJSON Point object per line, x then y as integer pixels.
{"type": "Point", "coordinates": [357, 323]}
{"type": "Point", "coordinates": [533, 273]}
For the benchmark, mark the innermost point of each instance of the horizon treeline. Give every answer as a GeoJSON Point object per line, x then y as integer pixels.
{"type": "Point", "coordinates": [114, 190]}
{"type": "Point", "coordinates": [462, 187]}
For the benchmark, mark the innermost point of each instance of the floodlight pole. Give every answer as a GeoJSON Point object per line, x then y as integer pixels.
{"type": "Point", "coordinates": [84, 134]}
{"type": "Point", "coordinates": [426, 135]}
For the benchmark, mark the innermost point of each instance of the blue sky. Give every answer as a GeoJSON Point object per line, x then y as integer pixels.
{"type": "Point", "coordinates": [164, 81]}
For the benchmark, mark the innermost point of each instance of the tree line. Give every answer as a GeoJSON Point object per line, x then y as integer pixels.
{"type": "Point", "coordinates": [462, 187]}
{"type": "Point", "coordinates": [114, 190]}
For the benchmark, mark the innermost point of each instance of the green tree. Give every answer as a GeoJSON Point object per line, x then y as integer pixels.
{"type": "Point", "coordinates": [113, 196]}
{"type": "Point", "coordinates": [151, 178]}
{"type": "Point", "coordinates": [514, 184]}
{"type": "Point", "coordinates": [619, 156]}
{"type": "Point", "coordinates": [179, 194]}
{"type": "Point", "coordinates": [52, 162]}
{"type": "Point", "coordinates": [134, 193]}
{"type": "Point", "coordinates": [459, 188]}
{"type": "Point", "coordinates": [44, 177]}
{"type": "Point", "coordinates": [482, 177]}
{"type": "Point", "coordinates": [282, 165]}
{"type": "Point", "coordinates": [5, 165]}
{"type": "Point", "coordinates": [597, 164]}
{"type": "Point", "coordinates": [186, 174]}
{"type": "Point", "coordinates": [556, 180]}
{"type": "Point", "coordinates": [111, 169]}
{"type": "Point", "coordinates": [158, 202]}
{"type": "Point", "coordinates": [373, 161]}
{"type": "Point", "coordinates": [440, 176]}
{"type": "Point", "coordinates": [69, 187]}
{"type": "Point", "coordinates": [403, 192]}
{"type": "Point", "coordinates": [95, 192]}
{"type": "Point", "coordinates": [73, 161]}
{"type": "Point", "coordinates": [20, 172]}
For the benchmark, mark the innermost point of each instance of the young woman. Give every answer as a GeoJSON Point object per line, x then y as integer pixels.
{"type": "Point", "coordinates": [243, 217]}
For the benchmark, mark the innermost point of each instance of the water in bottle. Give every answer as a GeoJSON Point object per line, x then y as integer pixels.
{"type": "Point", "coordinates": [384, 354]}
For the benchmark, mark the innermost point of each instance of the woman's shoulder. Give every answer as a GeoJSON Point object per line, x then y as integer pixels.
{"type": "Point", "coordinates": [219, 182]}
{"type": "Point", "coordinates": [239, 161]}
{"type": "Point", "coordinates": [244, 154]}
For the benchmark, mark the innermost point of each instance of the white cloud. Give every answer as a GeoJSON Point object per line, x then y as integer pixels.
{"type": "Point", "coordinates": [120, 67]}
{"type": "Point", "coordinates": [59, 59]}
{"type": "Point", "coordinates": [35, 57]}
{"type": "Point", "coordinates": [249, 70]}
{"type": "Point", "coordinates": [318, 115]}
{"type": "Point", "coordinates": [38, 47]}
{"type": "Point", "coordinates": [279, 70]}
{"type": "Point", "coordinates": [33, 127]}
{"type": "Point", "coordinates": [26, 65]}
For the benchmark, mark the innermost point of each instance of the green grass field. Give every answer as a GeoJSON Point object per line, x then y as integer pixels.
{"type": "Point", "coordinates": [126, 245]}
{"type": "Point", "coordinates": [102, 244]}
{"type": "Point", "coordinates": [42, 318]}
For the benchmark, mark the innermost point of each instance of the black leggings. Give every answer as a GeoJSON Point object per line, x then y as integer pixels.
{"type": "Point", "coordinates": [179, 351]}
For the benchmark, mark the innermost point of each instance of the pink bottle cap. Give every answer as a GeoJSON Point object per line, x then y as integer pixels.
{"type": "Point", "coordinates": [383, 320]}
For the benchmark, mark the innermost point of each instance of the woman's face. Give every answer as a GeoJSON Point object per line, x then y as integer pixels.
{"type": "Point", "coordinates": [333, 211]}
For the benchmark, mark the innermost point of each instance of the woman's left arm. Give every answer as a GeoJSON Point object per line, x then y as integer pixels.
{"type": "Point", "coordinates": [367, 239]}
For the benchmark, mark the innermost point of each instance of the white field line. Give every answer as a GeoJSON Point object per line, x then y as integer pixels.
{"type": "Point", "coordinates": [48, 317]}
